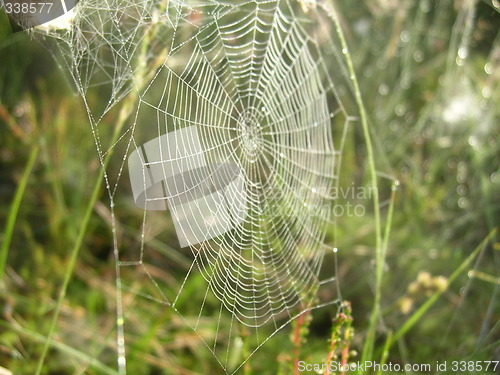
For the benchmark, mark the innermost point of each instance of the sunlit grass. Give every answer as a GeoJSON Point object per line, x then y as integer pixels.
{"type": "Point", "coordinates": [58, 291]}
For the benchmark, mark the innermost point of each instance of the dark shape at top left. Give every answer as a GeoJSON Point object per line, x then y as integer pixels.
{"type": "Point", "coordinates": [26, 14]}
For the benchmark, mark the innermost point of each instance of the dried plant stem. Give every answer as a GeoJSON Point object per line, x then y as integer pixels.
{"type": "Point", "coordinates": [299, 333]}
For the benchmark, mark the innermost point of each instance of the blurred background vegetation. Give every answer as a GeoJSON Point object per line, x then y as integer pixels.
{"type": "Point", "coordinates": [429, 75]}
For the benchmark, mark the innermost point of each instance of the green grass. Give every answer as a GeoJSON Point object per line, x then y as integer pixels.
{"type": "Point", "coordinates": [58, 289]}
{"type": "Point", "coordinates": [14, 210]}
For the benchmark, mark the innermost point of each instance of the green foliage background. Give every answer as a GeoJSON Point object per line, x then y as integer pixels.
{"type": "Point", "coordinates": [434, 118]}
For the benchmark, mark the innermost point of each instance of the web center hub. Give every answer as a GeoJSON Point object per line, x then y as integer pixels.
{"type": "Point", "coordinates": [250, 134]}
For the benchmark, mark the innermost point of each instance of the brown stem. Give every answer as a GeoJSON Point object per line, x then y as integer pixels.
{"type": "Point", "coordinates": [297, 340]}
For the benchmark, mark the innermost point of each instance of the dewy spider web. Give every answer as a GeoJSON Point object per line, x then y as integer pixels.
{"type": "Point", "coordinates": [257, 85]}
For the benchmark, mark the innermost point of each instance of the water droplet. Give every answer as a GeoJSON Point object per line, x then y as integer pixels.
{"type": "Point", "coordinates": [461, 190]}
{"type": "Point", "coordinates": [473, 141]}
{"type": "Point", "coordinates": [463, 52]}
{"type": "Point", "coordinates": [400, 110]}
{"type": "Point", "coordinates": [463, 202]}
{"type": "Point", "coordinates": [383, 89]}
{"type": "Point", "coordinates": [495, 177]}
{"type": "Point", "coordinates": [496, 3]}
{"type": "Point", "coordinates": [395, 125]}
{"type": "Point", "coordinates": [405, 36]}
{"type": "Point", "coordinates": [282, 155]}
{"type": "Point", "coordinates": [335, 250]}
{"type": "Point", "coordinates": [315, 123]}
{"type": "Point", "coordinates": [344, 50]}
{"type": "Point", "coordinates": [488, 68]}
{"type": "Point", "coordinates": [418, 56]}
{"type": "Point", "coordinates": [486, 92]}
{"type": "Point", "coordinates": [313, 190]}
{"type": "Point", "coordinates": [405, 81]}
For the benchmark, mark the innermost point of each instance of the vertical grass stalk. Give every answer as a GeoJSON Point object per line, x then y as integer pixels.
{"type": "Point", "coordinates": [370, 338]}
{"type": "Point", "coordinates": [14, 210]}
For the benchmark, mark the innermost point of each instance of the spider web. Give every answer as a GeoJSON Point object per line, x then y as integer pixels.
{"type": "Point", "coordinates": [244, 100]}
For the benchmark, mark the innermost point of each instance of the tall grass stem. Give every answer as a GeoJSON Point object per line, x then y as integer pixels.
{"type": "Point", "coordinates": [370, 338]}
{"type": "Point", "coordinates": [14, 210]}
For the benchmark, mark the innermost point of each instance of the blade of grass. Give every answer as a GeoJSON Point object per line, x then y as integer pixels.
{"type": "Point", "coordinates": [489, 317]}
{"type": "Point", "coordinates": [370, 338]}
{"type": "Point", "coordinates": [91, 361]}
{"type": "Point", "coordinates": [385, 353]}
{"type": "Point", "coordinates": [69, 271]}
{"type": "Point", "coordinates": [417, 315]}
{"type": "Point", "coordinates": [14, 210]}
{"type": "Point", "coordinates": [369, 344]}
{"type": "Point", "coordinates": [385, 244]}
{"type": "Point", "coordinates": [495, 280]}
